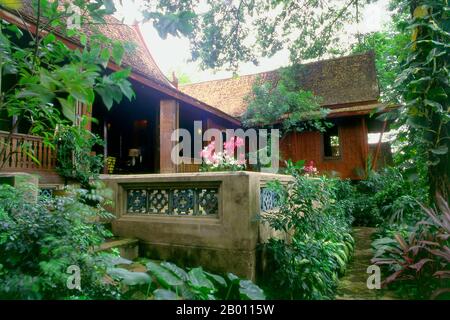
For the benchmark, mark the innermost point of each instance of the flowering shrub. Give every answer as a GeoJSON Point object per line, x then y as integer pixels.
{"type": "Point", "coordinates": [230, 159]}
{"type": "Point", "coordinates": [310, 169]}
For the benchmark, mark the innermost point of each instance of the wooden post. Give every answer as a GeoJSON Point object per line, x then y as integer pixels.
{"type": "Point", "coordinates": [365, 146]}
{"type": "Point", "coordinates": [168, 122]}
{"type": "Point", "coordinates": [377, 150]}
{"type": "Point", "coordinates": [105, 147]}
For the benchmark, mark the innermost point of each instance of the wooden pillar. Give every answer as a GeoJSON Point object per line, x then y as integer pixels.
{"type": "Point", "coordinates": [365, 145]}
{"type": "Point", "coordinates": [105, 147]}
{"type": "Point", "coordinates": [82, 109]}
{"type": "Point", "coordinates": [377, 150]}
{"type": "Point", "coordinates": [168, 122]}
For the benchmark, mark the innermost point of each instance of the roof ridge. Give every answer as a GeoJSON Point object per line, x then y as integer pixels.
{"type": "Point", "coordinates": [136, 28]}
{"type": "Point", "coordinates": [366, 53]}
{"type": "Point", "coordinates": [230, 78]}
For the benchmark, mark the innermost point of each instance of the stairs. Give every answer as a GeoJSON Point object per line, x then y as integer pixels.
{"type": "Point", "coordinates": [128, 247]}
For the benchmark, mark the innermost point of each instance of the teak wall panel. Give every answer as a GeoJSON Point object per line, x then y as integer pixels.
{"type": "Point", "coordinates": [309, 146]}
{"type": "Point", "coordinates": [168, 117]}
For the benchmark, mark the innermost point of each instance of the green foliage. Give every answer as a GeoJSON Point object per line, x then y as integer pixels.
{"type": "Point", "coordinates": [387, 197]}
{"type": "Point", "coordinates": [425, 87]}
{"type": "Point", "coordinates": [315, 214]}
{"type": "Point", "coordinates": [40, 240]}
{"type": "Point", "coordinates": [282, 101]}
{"type": "Point", "coordinates": [416, 260]}
{"type": "Point", "coordinates": [74, 153]}
{"type": "Point", "coordinates": [46, 78]}
{"type": "Point", "coordinates": [226, 33]}
{"type": "Point", "coordinates": [388, 49]}
{"type": "Point", "coordinates": [167, 281]}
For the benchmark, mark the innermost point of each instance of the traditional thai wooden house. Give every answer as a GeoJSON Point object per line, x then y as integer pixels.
{"type": "Point", "coordinates": [137, 133]}
{"type": "Point", "coordinates": [348, 87]}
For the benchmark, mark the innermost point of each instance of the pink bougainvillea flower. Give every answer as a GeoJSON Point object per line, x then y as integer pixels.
{"type": "Point", "coordinates": [239, 142]}
{"type": "Point", "coordinates": [229, 146]}
{"type": "Point", "coordinates": [310, 168]}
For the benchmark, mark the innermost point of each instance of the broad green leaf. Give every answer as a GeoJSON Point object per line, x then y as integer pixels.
{"type": "Point", "coordinates": [127, 89]}
{"type": "Point", "coordinates": [165, 277]}
{"type": "Point", "coordinates": [114, 260]}
{"type": "Point", "coordinates": [216, 278]}
{"type": "Point", "coordinates": [441, 150]}
{"type": "Point", "coordinates": [233, 278]}
{"type": "Point", "coordinates": [163, 294]}
{"type": "Point", "coordinates": [199, 281]}
{"type": "Point", "coordinates": [104, 56]}
{"type": "Point", "coordinates": [68, 109]}
{"type": "Point", "coordinates": [106, 98]}
{"type": "Point", "coordinates": [117, 52]}
{"type": "Point", "coordinates": [250, 291]}
{"type": "Point", "coordinates": [176, 270]}
{"type": "Point", "coordinates": [128, 277]}
{"type": "Point", "coordinates": [121, 74]}
{"type": "Point", "coordinates": [433, 104]}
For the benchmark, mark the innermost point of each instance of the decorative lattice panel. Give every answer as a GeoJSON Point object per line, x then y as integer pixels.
{"type": "Point", "coordinates": [158, 201]}
{"type": "Point", "coordinates": [46, 192]}
{"type": "Point", "coordinates": [137, 201]}
{"type": "Point", "coordinates": [269, 199]}
{"type": "Point", "coordinates": [208, 201]}
{"type": "Point", "coordinates": [183, 201]}
{"type": "Point", "coordinates": [173, 201]}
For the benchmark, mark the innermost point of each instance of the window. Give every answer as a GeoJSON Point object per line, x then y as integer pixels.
{"type": "Point", "coordinates": [331, 143]}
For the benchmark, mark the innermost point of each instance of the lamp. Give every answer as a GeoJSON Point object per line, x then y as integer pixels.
{"type": "Point", "coordinates": [134, 153]}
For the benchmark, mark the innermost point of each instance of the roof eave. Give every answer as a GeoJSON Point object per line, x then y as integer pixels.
{"type": "Point", "coordinates": [135, 75]}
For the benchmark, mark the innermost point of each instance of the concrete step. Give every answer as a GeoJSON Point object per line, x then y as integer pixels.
{"type": "Point", "coordinates": [128, 247]}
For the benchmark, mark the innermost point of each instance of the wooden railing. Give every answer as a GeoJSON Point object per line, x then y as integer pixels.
{"type": "Point", "coordinates": [25, 153]}
{"type": "Point", "coordinates": [188, 166]}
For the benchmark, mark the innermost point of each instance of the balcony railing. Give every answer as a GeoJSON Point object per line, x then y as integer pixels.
{"type": "Point", "coordinates": [25, 153]}
{"type": "Point", "coordinates": [188, 165]}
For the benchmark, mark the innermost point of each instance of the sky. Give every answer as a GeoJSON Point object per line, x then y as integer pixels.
{"type": "Point", "coordinates": [172, 54]}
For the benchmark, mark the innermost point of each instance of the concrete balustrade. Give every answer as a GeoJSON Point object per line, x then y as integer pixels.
{"type": "Point", "coordinates": [194, 219]}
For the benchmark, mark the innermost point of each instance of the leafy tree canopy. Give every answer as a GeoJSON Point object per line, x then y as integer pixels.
{"type": "Point", "coordinates": [229, 32]}
{"type": "Point", "coordinates": [283, 102]}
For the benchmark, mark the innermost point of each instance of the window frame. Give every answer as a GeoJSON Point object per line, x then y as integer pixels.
{"type": "Point", "coordinates": [331, 158]}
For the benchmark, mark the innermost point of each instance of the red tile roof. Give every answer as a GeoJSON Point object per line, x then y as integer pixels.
{"type": "Point", "coordinates": [340, 82]}
{"type": "Point", "coordinates": [139, 58]}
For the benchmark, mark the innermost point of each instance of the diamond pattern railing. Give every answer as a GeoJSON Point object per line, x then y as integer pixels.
{"type": "Point", "coordinates": [268, 199]}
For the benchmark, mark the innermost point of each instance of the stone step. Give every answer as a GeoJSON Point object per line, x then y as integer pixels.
{"type": "Point", "coordinates": [128, 247]}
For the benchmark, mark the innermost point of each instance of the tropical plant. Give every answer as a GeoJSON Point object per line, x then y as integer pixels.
{"type": "Point", "coordinates": [387, 197]}
{"type": "Point", "coordinates": [423, 82]}
{"type": "Point", "coordinates": [43, 79]}
{"type": "Point", "coordinates": [315, 214]}
{"type": "Point", "coordinates": [282, 101]}
{"type": "Point", "coordinates": [418, 264]}
{"type": "Point", "coordinates": [40, 240]}
{"type": "Point", "coordinates": [167, 281]}
{"type": "Point", "coordinates": [74, 156]}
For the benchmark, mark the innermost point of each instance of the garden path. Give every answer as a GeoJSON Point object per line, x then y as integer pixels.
{"type": "Point", "coordinates": [353, 286]}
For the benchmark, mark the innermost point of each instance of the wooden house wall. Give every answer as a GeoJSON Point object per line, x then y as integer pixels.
{"type": "Point", "coordinates": [309, 146]}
